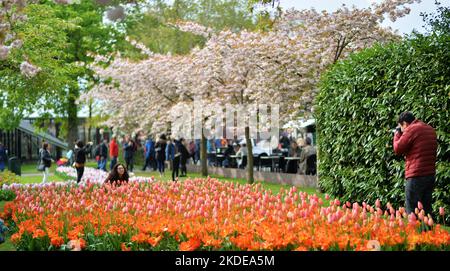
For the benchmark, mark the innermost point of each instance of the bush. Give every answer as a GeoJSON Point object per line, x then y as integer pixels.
{"type": "Point", "coordinates": [357, 108]}
{"type": "Point", "coordinates": [7, 195]}
{"type": "Point", "coordinates": [7, 177]}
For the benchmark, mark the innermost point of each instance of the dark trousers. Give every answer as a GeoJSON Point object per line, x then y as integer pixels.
{"type": "Point", "coordinates": [292, 166]}
{"type": "Point", "coordinates": [183, 166]}
{"type": "Point", "coordinates": [113, 162]}
{"type": "Point", "coordinates": [149, 162]}
{"type": "Point", "coordinates": [176, 166]}
{"type": "Point", "coordinates": [129, 163]}
{"type": "Point", "coordinates": [80, 172]}
{"type": "Point", "coordinates": [160, 164]}
{"type": "Point", "coordinates": [419, 189]}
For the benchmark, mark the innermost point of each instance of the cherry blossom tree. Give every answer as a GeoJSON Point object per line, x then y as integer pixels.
{"type": "Point", "coordinates": [281, 66]}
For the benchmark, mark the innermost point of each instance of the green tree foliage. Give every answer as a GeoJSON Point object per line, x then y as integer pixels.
{"type": "Point", "coordinates": [439, 22]}
{"type": "Point", "coordinates": [61, 40]}
{"type": "Point", "coordinates": [357, 108]}
{"type": "Point", "coordinates": [44, 45]}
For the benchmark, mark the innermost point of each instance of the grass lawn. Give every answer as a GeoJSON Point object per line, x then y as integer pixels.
{"type": "Point", "coordinates": [31, 167]}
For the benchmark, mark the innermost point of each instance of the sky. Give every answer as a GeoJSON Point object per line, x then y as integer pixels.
{"type": "Point", "coordinates": [404, 25]}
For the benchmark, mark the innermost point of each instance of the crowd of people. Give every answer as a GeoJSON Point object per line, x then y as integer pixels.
{"type": "Point", "coordinates": [229, 153]}
{"type": "Point", "coordinates": [175, 153]}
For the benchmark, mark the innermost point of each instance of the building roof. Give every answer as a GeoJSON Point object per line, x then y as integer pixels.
{"type": "Point", "coordinates": [29, 129]}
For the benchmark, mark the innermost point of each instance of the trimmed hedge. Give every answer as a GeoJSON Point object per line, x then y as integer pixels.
{"type": "Point", "coordinates": [358, 105]}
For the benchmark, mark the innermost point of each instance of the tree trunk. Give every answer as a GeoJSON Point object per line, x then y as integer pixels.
{"type": "Point", "coordinates": [72, 118]}
{"type": "Point", "coordinates": [204, 156]}
{"type": "Point", "coordinates": [90, 122]}
{"type": "Point", "coordinates": [250, 178]}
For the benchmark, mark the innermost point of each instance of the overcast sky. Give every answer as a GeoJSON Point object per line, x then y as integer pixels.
{"type": "Point", "coordinates": [404, 25]}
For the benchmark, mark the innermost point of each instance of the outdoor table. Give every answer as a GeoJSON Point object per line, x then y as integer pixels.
{"type": "Point", "coordinates": [291, 159]}
{"type": "Point", "coordinates": [272, 159]}
{"type": "Point", "coordinates": [220, 158]}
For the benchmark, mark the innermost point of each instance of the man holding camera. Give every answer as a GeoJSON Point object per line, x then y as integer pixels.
{"type": "Point", "coordinates": [417, 141]}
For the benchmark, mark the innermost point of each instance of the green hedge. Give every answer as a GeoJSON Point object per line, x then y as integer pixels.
{"type": "Point", "coordinates": [358, 105]}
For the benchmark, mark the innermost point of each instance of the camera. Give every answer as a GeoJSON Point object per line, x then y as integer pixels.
{"type": "Point", "coordinates": [397, 130]}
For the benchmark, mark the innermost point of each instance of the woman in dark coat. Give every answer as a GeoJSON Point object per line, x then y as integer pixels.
{"type": "Point", "coordinates": [160, 150]}
{"type": "Point", "coordinates": [184, 156]}
{"type": "Point", "coordinates": [118, 175]}
{"type": "Point", "coordinates": [80, 158]}
{"type": "Point", "coordinates": [176, 161]}
{"type": "Point", "coordinates": [46, 160]}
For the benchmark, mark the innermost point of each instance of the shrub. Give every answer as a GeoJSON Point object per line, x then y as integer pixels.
{"type": "Point", "coordinates": [357, 108]}
{"type": "Point", "coordinates": [7, 177]}
{"type": "Point", "coordinates": [7, 195]}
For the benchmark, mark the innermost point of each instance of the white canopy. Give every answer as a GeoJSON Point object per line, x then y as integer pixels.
{"type": "Point", "coordinates": [299, 123]}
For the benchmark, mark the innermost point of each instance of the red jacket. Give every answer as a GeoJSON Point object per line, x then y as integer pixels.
{"type": "Point", "coordinates": [419, 144]}
{"type": "Point", "coordinates": [113, 149]}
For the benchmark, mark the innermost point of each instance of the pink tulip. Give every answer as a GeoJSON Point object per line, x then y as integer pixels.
{"type": "Point", "coordinates": [420, 205]}
{"type": "Point", "coordinates": [441, 211]}
{"type": "Point", "coordinates": [430, 222]}
{"type": "Point", "coordinates": [378, 203]}
{"type": "Point", "coordinates": [327, 197]}
{"type": "Point", "coordinates": [290, 215]}
{"type": "Point", "coordinates": [329, 218]}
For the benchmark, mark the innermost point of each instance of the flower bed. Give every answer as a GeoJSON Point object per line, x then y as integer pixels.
{"type": "Point", "coordinates": [7, 178]}
{"type": "Point", "coordinates": [205, 214]}
{"type": "Point", "coordinates": [92, 175]}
